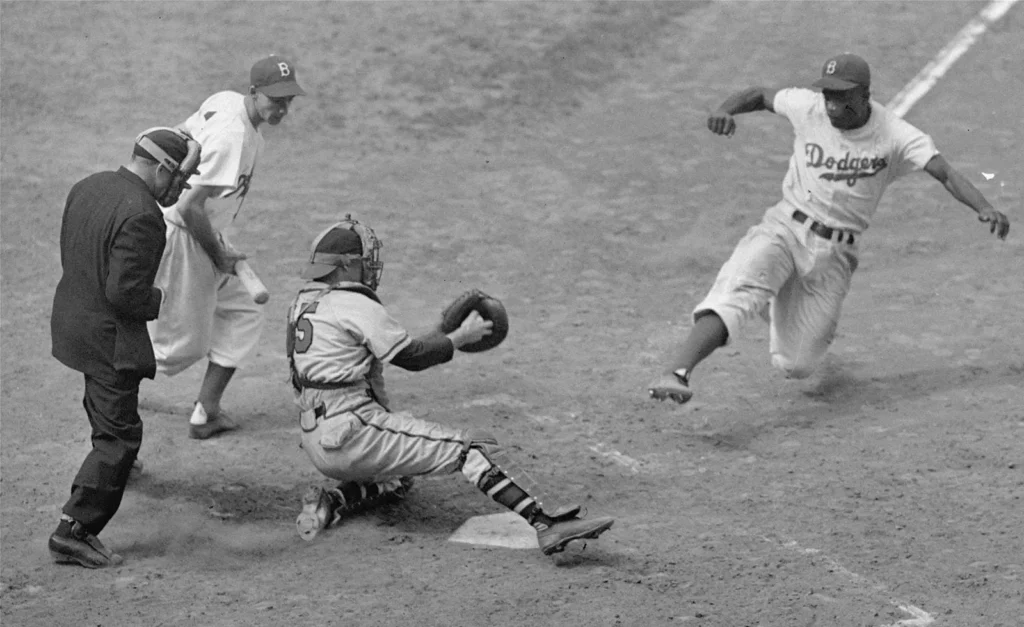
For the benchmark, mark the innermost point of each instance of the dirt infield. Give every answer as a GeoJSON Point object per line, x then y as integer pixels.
{"type": "Point", "coordinates": [554, 155]}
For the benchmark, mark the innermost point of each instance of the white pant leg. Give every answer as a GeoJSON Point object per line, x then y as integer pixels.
{"type": "Point", "coordinates": [759, 266]}
{"type": "Point", "coordinates": [368, 444]}
{"type": "Point", "coordinates": [237, 323]}
{"type": "Point", "coordinates": [181, 333]}
{"type": "Point", "coordinates": [805, 314]}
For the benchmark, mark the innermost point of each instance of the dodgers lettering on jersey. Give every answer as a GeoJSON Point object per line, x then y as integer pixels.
{"type": "Point", "coordinates": [231, 148]}
{"type": "Point", "coordinates": [836, 176]}
{"type": "Point", "coordinates": [338, 338]}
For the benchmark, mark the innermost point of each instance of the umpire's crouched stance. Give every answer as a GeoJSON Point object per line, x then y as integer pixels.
{"type": "Point", "coordinates": [111, 241]}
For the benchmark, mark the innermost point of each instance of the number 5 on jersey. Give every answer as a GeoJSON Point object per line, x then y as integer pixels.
{"type": "Point", "coordinates": [300, 332]}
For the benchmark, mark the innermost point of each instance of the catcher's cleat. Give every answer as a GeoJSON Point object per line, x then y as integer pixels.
{"type": "Point", "coordinates": [670, 386]}
{"type": "Point", "coordinates": [563, 514]}
{"type": "Point", "coordinates": [404, 487]}
{"type": "Point", "coordinates": [78, 546]}
{"type": "Point", "coordinates": [215, 423]}
{"type": "Point", "coordinates": [317, 510]}
{"type": "Point", "coordinates": [554, 538]}
{"type": "Point", "coordinates": [322, 509]}
{"type": "Point", "coordinates": [353, 498]}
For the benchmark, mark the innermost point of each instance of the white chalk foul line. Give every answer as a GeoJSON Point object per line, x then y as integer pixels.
{"type": "Point", "coordinates": [603, 450]}
{"type": "Point", "coordinates": [920, 618]}
{"type": "Point", "coordinates": [931, 73]}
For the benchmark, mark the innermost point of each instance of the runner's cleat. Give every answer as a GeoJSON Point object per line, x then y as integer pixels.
{"type": "Point", "coordinates": [670, 386]}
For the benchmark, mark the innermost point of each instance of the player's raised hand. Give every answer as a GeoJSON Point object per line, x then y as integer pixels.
{"type": "Point", "coordinates": [721, 123]}
{"type": "Point", "coordinates": [999, 224]}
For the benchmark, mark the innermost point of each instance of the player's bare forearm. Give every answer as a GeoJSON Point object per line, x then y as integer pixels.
{"type": "Point", "coordinates": [962, 189]}
{"type": "Point", "coordinates": [192, 208]}
{"type": "Point", "coordinates": [746, 101]}
{"type": "Point", "coordinates": [198, 224]}
{"type": "Point", "coordinates": [721, 121]}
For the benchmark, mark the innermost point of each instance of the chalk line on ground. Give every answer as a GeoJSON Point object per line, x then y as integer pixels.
{"type": "Point", "coordinates": [937, 67]}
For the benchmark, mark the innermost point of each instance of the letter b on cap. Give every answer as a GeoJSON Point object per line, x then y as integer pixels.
{"type": "Point", "coordinates": [284, 69]}
{"type": "Point", "coordinates": [829, 69]}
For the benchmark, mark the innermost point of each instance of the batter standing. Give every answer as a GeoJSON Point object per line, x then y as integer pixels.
{"type": "Point", "coordinates": [207, 312]}
{"type": "Point", "coordinates": [340, 337]}
{"type": "Point", "coordinates": [794, 268]}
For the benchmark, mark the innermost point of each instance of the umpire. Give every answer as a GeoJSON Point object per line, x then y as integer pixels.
{"type": "Point", "coordinates": [111, 241]}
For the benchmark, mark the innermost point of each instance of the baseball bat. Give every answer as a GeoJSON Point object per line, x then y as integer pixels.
{"type": "Point", "coordinates": [252, 282]}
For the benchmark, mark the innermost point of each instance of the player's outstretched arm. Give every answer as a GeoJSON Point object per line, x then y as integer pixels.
{"type": "Point", "coordinates": [963, 190]}
{"type": "Point", "coordinates": [192, 208]}
{"type": "Point", "coordinates": [721, 121]}
{"type": "Point", "coordinates": [436, 347]}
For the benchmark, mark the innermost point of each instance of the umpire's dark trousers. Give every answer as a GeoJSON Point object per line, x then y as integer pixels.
{"type": "Point", "coordinates": [113, 410]}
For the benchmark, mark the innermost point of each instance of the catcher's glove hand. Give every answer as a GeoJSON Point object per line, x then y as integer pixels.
{"type": "Point", "coordinates": [488, 307]}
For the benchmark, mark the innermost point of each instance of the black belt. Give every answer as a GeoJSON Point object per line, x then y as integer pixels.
{"type": "Point", "coordinates": [330, 385]}
{"type": "Point", "coordinates": [821, 230]}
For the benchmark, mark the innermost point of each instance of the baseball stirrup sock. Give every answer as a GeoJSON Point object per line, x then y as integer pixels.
{"type": "Point", "coordinates": [492, 481]}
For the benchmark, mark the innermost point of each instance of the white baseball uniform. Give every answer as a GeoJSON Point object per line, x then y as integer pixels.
{"type": "Point", "coordinates": [341, 343]}
{"type": "Point", "coordinates": [782, 268]}
{"type": "Point", "coordinates": [205, 312]}
{"type": "Point", "coordinates": [339, 338]}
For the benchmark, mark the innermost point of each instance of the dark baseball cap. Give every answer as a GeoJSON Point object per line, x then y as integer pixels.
{"type": "Point", "coordinates": [844, 71]}
{"type": "Point", "coordinates": [330, 248]}
{"type": "Point", "coordinates": [275, 77]}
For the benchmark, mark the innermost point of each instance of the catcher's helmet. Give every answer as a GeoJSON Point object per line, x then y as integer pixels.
{"type": "Point", "coordinates": [344, 242]}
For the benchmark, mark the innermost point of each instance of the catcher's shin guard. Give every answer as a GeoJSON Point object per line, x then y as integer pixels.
{"type": "Point", "coordinates": [554, 531]}
{"type": "Point", "coordinates": [357, 497]}
{"type": "Point", "coordinates": [478, 467]}
{"type": "Point", "coordinates": [324, 508]}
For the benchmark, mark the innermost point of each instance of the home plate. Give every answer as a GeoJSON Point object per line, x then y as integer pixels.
{"type": "Point", "coordinates": [507, 530]}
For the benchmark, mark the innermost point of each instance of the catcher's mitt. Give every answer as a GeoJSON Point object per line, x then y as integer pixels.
{"type": "Point", "coordinates": [488, 307]}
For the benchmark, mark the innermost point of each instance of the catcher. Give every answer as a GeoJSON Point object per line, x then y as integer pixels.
{"type": "Point", "coordinates": [339, 338]}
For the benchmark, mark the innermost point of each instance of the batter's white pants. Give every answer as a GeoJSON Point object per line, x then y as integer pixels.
{"type": "Point", "coordinates": [205, 313]}
{"type": "Point", "coordinates": [798, 278]}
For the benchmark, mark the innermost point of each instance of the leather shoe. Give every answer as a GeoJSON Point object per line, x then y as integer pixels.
{"type": "Point", "coordinates": [554, 539]}
{"type": "Point", "coordinates": [82, 548]}
{"type": "Point", "coordinates": [670, 386]}
{"type": "Point", "coordinates": [217, 423]}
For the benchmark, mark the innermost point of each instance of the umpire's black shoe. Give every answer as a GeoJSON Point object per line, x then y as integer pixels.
{"type": "Point", "coordinates": [71, 543]}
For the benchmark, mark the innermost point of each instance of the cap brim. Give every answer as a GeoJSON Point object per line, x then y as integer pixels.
{"type": "Point", "coordinates": [316, 270]}
{"type": "Point", "coordinates": [831, 82]}
{"type": "Point", "coordinates": [282, 89]}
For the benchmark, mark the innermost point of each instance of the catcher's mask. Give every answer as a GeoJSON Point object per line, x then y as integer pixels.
{"type": "Point", "coordinates": [174, 150]}
{"type": "Point", "coordinates": [343, 243]}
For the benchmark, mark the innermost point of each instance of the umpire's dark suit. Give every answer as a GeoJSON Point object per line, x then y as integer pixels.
{"type": "Point", "coordinates": [111, 241]}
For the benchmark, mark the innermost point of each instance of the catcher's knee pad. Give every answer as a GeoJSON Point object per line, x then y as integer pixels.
{"type": "Point", "coordinates": [478, 450]}
{"type": "Point", "coordinates": [480, 440]}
